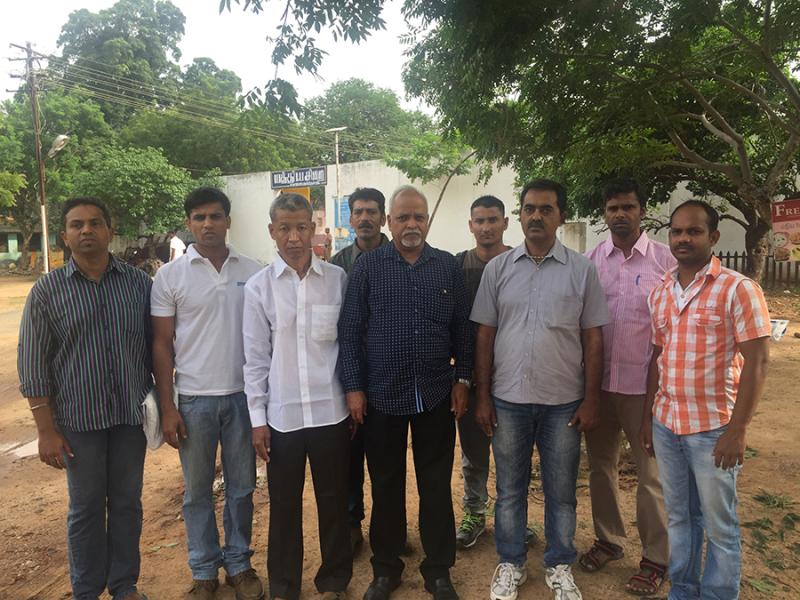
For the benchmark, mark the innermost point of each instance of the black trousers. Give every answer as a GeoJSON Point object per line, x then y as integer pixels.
{"type": "Point", "coordinates": [433, 437]}
{"type": "Point", "coordinates": [355, 502]}
{"type": "Point", "coordinates": [327, 449]}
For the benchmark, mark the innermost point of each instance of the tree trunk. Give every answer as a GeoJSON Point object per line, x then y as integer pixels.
{"type": "Point", "coordinates": [25, 255]}
{"type": "Point", "coordinates": [756, 244]}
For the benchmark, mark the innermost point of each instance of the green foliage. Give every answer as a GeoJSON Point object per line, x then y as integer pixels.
{"type": "Point", "coordinates": [771, 500]}
{"type": "Point", "coordinates": [763, 585]}
{"type": "Point", "coordinates": [376, 123]}
{"type": "Point", "coordinates": [10, 184]}
{"type": "Point", "coordinates": [432, 157]}
{"type": "Point", "coordinates": [141, 188]}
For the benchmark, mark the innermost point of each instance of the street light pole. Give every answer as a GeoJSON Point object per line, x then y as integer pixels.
{"type": "Point", "coordinates": [335, 131]}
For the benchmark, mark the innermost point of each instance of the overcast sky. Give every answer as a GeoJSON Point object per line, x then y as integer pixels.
{"type": "Point", "coordinates": [235, 41]}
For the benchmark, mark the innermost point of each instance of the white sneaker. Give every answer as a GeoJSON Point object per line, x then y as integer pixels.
{"type": "Point", "coordinates": [559, 579]}
{"type": "Point", "coordinates": [506, 580]}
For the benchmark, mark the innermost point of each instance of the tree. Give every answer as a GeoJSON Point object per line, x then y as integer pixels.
{"type": "Point", "coordinates": [375, 121]}
{"type": "Point", "coordinates": [10, 184]}
{"type": "Point", "coordinates": [61, 113]}
{"type": "Point", "coordinates": [143, 191]}
{"type": "Point", "coordinates": [134, 39]}
{"type": "Point", "coordinates": [700, 91]}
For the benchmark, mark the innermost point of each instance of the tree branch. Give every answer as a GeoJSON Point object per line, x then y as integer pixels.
{"type": "Point", "coordinates": [447, 182]}
{"type": "Point", "coordinates": [728, 217]}
{"type": "Point", "coordinates": [694, 158]}
{"type": "Point", "coordinates": [785, 158]}
{"type": "Point", "coordinates": [766, 58]}
{"type": "Point", "coordinates": [762, 102]}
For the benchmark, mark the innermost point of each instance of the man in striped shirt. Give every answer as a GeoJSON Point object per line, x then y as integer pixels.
{"type": "Point", "coordinates": [710, 353]}
{"type": "Point", "coordinates": [84, 365]}
{"type": "Point", "coordinates": [630, 265]}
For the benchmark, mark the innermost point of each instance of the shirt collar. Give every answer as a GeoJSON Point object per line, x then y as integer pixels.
{"type": "Point", "coordinates": [712, 270]}
{"type": "Point", "coordinates": [557, 252]}
{"type": "Point", "coordinates": [281, 266]}
{"type": "Point", "coordinates": [358, 251]}
{"type": "Point", "coordinates": [71, 268]}
{"type": "Point", "coordinates": [194, 255]}
{"type": "Point", "coordinates": [427, 254]}
{"type": "Point", "coordinates": [641, 245]}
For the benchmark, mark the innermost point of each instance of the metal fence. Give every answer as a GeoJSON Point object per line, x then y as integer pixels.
{"type": "Point", "coordinates": [776, 273]}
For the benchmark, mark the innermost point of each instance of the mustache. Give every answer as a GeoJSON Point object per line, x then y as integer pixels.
{"type": "Point", "coordinates": [536, 226]}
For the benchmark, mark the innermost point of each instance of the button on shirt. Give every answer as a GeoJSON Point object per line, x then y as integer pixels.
{"type": "Point", "coordinates": [86, 346]}
{"type": "Point", "coordinates": [627, 282]}
{"type": "Point", "coordinates": [700, 363]}
{"type": "Point", "coordinates": [291, 373]}
{"type": "Point", "coordinates": [539, 312]}
{"type": "Point", "coordinates": [207, 306]}
{"type": "Point", "coordinates": [400, 326]}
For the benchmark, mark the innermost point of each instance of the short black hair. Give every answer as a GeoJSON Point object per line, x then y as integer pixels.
{"type": "Point", "coordinates": [84, 201]}
{"type": "Point", "coordinates": [547, 185]}
{"type": "Point", "coordinates": [366, 193]}
{"type": "Point", "coordinates": [711, 213]}
{"type": "Point", "coordinates": [617, 187]}
{"type": "Point", "coordinates": [489, 202]}
{"type": "Point", "coordinates": [206, 195]}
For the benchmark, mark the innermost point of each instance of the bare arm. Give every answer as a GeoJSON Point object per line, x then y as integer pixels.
{"type": "Point", "coordinates": [587, 415]}
{"type": "Point", "coordinates": [730, 447]}
{"type": "Point", "coordinates": [163, 367]}
{"type": "Point", "coordinates": [485, 415]}
{"type": "Point", "coordinates": [646, 432]}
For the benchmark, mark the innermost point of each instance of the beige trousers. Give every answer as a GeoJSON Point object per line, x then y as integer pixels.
{"type": "Point", "coordinates": [621, 412]}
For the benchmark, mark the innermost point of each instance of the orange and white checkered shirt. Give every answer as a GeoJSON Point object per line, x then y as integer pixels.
{"type": "Point", "coordinates": [700, 363]}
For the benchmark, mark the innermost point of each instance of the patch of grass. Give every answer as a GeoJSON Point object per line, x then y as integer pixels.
{"type": "Point", "coordinates": [763, 585]}
{"type": "Point", "coordinates": [750, 452]}
{"type": "Point", "coordinates": [762, 523]}
{"type": "Point", "coordinates": [760, 541]}
{"type": "Point", "coordinates": [774, 500]}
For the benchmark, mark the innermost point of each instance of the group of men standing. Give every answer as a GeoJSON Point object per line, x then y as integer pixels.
{"type": "Point", "coordinates": [329, 363]}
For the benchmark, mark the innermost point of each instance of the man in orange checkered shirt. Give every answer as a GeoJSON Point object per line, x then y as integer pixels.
{"type": "Point", "coordinates": [710, 334]}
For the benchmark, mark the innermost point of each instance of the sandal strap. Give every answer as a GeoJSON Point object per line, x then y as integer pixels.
{"type": "Point", "coordinates": [599, 551]}
{"type": "Point", "coordinates": [660, 570]}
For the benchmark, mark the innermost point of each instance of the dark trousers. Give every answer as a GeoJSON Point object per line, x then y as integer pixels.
{"type": "Point", "coordinates": [327, 450]}
{"type": "Point", "coordinates": [104, 522]}
{"type": "Point", "coordinates": [433, 443]}
{"type": "Point", "coordinates": [355, 499]}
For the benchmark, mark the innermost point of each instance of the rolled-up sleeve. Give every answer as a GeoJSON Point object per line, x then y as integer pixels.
{"type": "Point", "coordinates": [352, 328]}
{"type": "Point", "coordinates": [35, 348]}
{"type": "Point", "coordinates": [257, 337]}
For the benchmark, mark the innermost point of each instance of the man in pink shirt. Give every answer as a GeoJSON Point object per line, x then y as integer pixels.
{"type": "Point", "coordinates": [630, 265]}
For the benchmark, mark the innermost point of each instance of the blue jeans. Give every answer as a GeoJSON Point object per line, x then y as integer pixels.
{"type": "Point", "coordinates": [104, 522]}
{"type": "Point", "coordinates": [700, 498]}
{"type": "Point", "coordinates": [211, 421]}
{"type": "Point", "coordinates": [519, 427]}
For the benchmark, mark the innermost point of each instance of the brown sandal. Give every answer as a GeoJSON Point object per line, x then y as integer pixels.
{"type": "Point", "coordinates": [600, 554]}
{"type": "Point", "coordinates": [650, 576]}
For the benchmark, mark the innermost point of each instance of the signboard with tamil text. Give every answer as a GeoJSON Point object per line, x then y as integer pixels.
{"type": "Point", "coordinates": [786, 230]}
{"type": "Point", "coordinates": [299, 178]}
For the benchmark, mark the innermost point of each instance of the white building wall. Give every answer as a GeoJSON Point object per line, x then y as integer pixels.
{"type": "Point", "coordinates": [251, 196]}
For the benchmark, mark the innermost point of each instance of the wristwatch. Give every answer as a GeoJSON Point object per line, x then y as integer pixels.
{"type": "Point", "coordinates": [466, 382]}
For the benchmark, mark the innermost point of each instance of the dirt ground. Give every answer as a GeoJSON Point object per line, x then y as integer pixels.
{"type": "Point", "coordinates": [33, 564]}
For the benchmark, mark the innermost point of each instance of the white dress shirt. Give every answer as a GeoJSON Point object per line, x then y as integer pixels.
{"type": "Point", "coordinates": [291, 347]}
{"type": "Point", "coordinates": [207, 306]}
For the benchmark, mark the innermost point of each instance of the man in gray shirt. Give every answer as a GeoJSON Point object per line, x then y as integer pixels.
{"type": "Point", "coordinates": [538, 368]}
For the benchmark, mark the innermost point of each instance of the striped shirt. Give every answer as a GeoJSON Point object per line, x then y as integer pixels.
{"type": "Point", "coordinates": [86, 346]}
{"type": "Point", "coordinates": [627, 282]}
{"type": "Point", "coordinates": [700, 363]}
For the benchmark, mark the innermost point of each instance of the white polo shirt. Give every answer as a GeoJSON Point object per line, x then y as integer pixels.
{"type": "Point", "coordinates": [207, 306]}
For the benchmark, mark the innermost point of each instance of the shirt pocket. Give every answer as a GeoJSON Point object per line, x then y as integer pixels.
{"type": "Point", "coordinates": [564, 312]}
{"type": "Point", "coordinates": [439, 308]}
{"type": "Point", "coordinates": [324, 318]}
{"type": "Point", "coordinates": [707, 319]}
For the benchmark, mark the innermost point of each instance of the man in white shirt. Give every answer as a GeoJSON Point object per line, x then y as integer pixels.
{"type": "Point", "coordinates": [196, 308]}
{"type": "Point", "coordinates": [176, 246]}
{"type": "Point", "coordinates": [297, 405]}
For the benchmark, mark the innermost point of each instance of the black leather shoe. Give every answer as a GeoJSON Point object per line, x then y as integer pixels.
{"type": "Point", "coordinates": [442, 589]}
{"type": "Point", "coordinates": [381, 588]}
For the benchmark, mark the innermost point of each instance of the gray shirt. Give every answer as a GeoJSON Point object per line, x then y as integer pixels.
{"type": "Point", "coordinates": [539, 312]}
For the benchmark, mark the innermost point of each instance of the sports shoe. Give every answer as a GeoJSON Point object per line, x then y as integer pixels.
{"type": "Point", "coordinates": [472, 526]}
{"type": "Point", "coordinates": [506, 581]}
{"type": "Point", "coordinates": [559, 579]}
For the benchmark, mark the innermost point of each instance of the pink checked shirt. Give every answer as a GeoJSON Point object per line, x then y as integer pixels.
{"type": "Point", "coordinates": [627, 283]}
